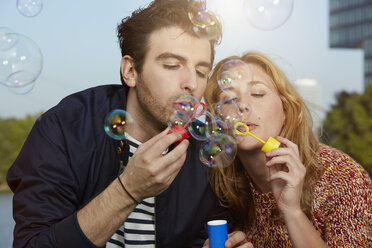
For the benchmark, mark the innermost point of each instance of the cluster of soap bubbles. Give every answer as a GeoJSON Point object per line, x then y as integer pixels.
{"type": "Point", "coordinates": [218, 148]}
{"type": "Point", "coordinates": [21, 61]}
{"type": "Point", "coordinates": [235, 79]}
{"type": "Point", "coordinates": [189, 116]}
{"type": "Point", "coordinates": [220, 131]}
{"type": "Point", "coordinates": [204, 20]}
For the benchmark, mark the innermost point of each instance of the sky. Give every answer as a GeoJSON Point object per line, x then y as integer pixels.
{"type": "Point", "coordinates": [80, 49]}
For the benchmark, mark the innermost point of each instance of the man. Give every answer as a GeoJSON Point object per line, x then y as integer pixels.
{"type": "Point", "coordinates": [75, 187]}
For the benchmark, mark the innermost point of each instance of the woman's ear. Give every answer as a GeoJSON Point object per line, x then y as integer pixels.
{"type": "Point", "coordinates": [128, 71]}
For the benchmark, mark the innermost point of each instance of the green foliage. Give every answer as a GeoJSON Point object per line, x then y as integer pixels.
{"type": "Point", "coordinates": [348, 126]}
{"type": "Point", "coordinates": [13, 133]}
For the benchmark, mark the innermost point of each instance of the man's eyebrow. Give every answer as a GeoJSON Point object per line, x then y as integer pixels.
{"type": "Point", "coordinates": [168, 55]}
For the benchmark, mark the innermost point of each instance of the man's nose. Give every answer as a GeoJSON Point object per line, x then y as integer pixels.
{"type": "Point", "coordinates": [189, 81]}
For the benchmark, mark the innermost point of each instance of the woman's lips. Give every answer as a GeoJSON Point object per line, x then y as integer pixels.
{"type": "Point", "coordinates": [251, 126]}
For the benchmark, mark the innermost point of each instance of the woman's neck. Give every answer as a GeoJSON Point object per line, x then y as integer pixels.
{"type": "Point", "coordinates": [254, 163]}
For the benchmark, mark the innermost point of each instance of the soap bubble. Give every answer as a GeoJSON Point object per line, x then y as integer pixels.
{"type": "Point", "coordinates": [116, 123]}
{"type": "Point", "coordinates": [267, 14]}
{"type": "Point", "coordinates": [218, 151]}
{"type": "Point", "coordinates": [29, 8]}
{"type": "Point", "coordinates": [204, 21]}
{"type": "Point", "coordinates": [185, 108]}
{"type": "Point", "coordinates": [202, 127]}
{"type": "Point", "coordinates": [21, 62]}
{"type": "Point", "coordinates": [207, 32]}
{"type": "Point", "coordinates": [22, 90]}
{"type": "Point", "coordinates": [233, 77]}
{"type": "Point", "coordinates": [199, 14]}
{"type": "Point", "coordinates": [7, 40]}
{"type": "Point", "coordinates": [228, 111]}
{"type": "Point", "coordinates": [232, 112]}
{"type": "Point", "coordinates": [219, 127]}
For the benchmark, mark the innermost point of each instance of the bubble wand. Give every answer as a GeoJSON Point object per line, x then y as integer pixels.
{"type": "Point", "coordinates": [270, 144]}
{"type": "Point", "coordinates": [182, 129]}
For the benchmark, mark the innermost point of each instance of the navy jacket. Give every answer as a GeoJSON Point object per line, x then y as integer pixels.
{"type": "Point", "coordinates": [68, 159]}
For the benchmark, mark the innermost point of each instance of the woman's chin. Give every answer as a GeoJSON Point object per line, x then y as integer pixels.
{"type": "Point", "coordinates": [249, 146]}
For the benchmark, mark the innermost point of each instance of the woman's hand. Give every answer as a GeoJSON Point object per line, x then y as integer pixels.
{"type": "Point", "coordinates": [235, 239]}
{"type": "Point", "coordinates": [286, 182]}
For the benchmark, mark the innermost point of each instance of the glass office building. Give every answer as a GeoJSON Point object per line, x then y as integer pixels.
{"type": "Point", "coordinates": [351, 27]}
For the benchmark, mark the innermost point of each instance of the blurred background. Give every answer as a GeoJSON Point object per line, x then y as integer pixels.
{"type": "Point", "coordinates": [324, 47]}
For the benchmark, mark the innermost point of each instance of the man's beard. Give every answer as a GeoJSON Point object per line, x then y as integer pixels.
{"type": "Point", "coordinates": [152, 110]}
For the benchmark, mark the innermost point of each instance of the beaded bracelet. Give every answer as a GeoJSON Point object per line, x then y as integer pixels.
{"type": "Point", "coordinates": [122, 185]}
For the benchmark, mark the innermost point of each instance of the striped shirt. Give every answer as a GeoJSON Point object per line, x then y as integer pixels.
{"type": "Point", "coordinates": [139, 228]}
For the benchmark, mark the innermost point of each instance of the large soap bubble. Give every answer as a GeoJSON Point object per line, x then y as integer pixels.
{"type": "Point", "coordinates": [21, 60]}
{"type": "Point", "coordinates": [22, 90]}
{"type": "Point", "coordinates": [6, 41]}
{"type": "Point", "coordinates": [267, 14]}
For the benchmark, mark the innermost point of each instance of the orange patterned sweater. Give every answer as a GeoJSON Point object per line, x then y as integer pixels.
{"type": "Point", "coordinates": [341, 207]}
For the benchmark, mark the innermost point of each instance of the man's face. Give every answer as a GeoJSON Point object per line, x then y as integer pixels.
{"type": "Point", "coordinates": [175, 64]}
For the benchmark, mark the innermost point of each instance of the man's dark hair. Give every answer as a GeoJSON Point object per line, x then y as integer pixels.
{"type": "Point", "coordinates": [134, 31]}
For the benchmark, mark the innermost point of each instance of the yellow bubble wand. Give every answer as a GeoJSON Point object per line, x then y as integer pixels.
{"type": "Point", "coordinates": [270, 144]}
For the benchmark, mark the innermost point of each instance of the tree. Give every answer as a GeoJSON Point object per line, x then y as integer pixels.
{"type": "Point", "coordinates": [13, 133]}
{"type": "Point", "coordinates": [348, 126]}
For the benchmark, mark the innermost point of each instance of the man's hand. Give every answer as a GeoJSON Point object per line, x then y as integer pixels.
{"type": "Point", "coordinates": [235, 239]}
{"type": "Point", "coordinates": [148, 172]}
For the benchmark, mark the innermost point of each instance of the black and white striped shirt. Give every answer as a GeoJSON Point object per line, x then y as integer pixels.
{"type": "Point", "coordinates": [139, 228]}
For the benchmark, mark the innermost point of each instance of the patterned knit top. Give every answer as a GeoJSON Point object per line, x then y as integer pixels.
{"type": "Point", "coordinates": [340, 211]}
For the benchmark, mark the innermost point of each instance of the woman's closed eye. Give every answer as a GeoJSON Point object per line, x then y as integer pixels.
{"type": "Point", "coordinates": [201, 74]}
{"type": "Point", "coordinates": [257, 94]}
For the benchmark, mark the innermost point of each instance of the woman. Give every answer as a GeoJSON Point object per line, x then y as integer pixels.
{"type": "Point", "coordinates": [302, 194]}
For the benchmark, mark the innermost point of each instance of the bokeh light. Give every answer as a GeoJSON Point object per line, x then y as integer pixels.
{"type": "Point", "coordinates": [267, 14]}
{"type": "Point", "coordinates": [21, 60]}
{"type": "Point", "coordinates": [117, 123]}
{"type": "Point", "coordinates": [29, 8]}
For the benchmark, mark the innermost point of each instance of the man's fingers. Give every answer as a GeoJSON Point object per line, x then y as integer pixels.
{"type": "Point", "coordinates": [174, 160]}
{"type": "Point", "coordinates": [164, 143]}
{"type": "Point", "coordinates": [155, 139]}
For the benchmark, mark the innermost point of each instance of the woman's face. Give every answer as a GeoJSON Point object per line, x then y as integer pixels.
{"type": "Point", "coordinates": [265, 116]}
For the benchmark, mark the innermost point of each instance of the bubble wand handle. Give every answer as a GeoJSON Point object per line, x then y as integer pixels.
{"type": "Point", "coordinates": [254, 136]}
{"type": "Point", "coordinates": [269, 145]}
{"type": "Point", "coordinates": [238, 124]}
